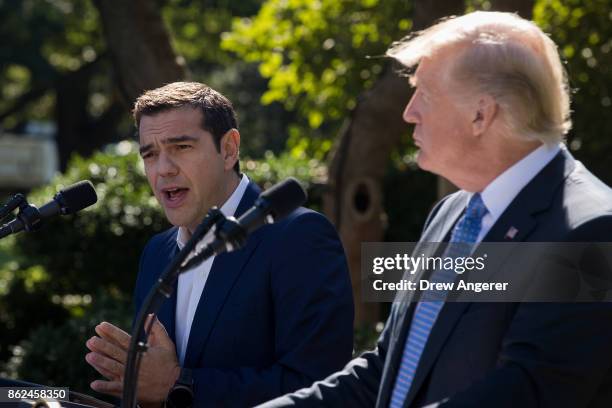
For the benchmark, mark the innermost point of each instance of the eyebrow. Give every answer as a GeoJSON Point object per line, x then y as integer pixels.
{"type": "Point", "coordinates": [171, 140]}
{"type": "Point", "coordinates": [424, 86]}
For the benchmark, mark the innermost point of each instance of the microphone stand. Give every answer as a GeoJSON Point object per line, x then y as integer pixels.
{"type": "Point", "coordinates": [11, 204]}
{"type": "Point", "coordinates": [159, 292]}
{"type": "Point", "coordinates": [28, 215]}
{"type": "Point", "coordinates": [232, 236]}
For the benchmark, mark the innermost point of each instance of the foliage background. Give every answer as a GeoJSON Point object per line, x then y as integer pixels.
{"type": "Point", "coordinates": [294, 69]}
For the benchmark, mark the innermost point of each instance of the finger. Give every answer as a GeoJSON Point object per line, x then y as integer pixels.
{"type": "Point", "coordinates": [107, 374]}
{"type": "Point", "coordinates": [159, 335]}
{"type": "Point", "coordinates": [148, 319]}
{"type": "Point", "coordinates": [108, 337]}
{"type": "Point", "coordinates": [156, 324]}
{"type": "Point", "coordinates": [101, 362]}
{"type": "Point", "coordinates": [108, 387]}
{"type": "Point", "coordinates": [102, 346]}
{"type": "Point", "coordinates": [113, 333]}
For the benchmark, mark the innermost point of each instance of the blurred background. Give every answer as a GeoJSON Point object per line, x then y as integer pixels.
{"type": "Point", "coordinates": [315, 99]}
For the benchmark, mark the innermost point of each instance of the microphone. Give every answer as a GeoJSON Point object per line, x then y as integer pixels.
{"type": "Point", "coordinates": [272, 205]}
{"type": "Point", "coordinates": [70, 200]}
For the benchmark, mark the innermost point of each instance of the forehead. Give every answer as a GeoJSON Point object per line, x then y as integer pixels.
{"type": "Point", "coordinates": [434, 72]}
{"type": "Point", "coordinates": [426, 74]}
{"type": "Point", "coordinates": [169, 123]}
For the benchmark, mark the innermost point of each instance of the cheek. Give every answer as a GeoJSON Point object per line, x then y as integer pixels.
{"type": "Point", "coordinates": [150, 175]}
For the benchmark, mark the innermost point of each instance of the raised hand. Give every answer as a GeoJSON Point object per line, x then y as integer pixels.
{"type": "Point", "coordinates": [159, 368]}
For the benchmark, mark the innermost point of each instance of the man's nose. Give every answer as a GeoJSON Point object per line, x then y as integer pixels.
{"type": "Point", "coordinates": [410, 114]}
{"type": "Point", "coordinates": [166, 165]}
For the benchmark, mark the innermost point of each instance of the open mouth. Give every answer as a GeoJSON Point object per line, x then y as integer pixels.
{"type": "Point", "coordinates": [175, 195]}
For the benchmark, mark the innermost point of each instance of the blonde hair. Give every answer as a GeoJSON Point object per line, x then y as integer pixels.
{"type": "Point", "coordinates": [504, 56]}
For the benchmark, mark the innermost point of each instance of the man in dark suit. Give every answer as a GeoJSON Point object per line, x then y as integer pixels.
{"type": "Point", "coordinates": [245, 326]}
{"type": "Point", "coordinates": [490, 109]}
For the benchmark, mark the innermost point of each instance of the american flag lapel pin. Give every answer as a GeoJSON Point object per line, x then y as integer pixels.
{"type": "Point", "coordinates": [511, 233]}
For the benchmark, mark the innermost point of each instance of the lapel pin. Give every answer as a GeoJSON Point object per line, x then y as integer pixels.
{"type": "Point", "coordinates": [511, 233]}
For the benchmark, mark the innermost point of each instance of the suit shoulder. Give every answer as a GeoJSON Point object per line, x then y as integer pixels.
{"type": "Point", "coordinates": [581, 177]}
{"type": "Point", "coordinates": [597, 228]}
{"type": "Point", "coordinates": [302, 213]}
{"type": "Point", "coordinates": [162, 239]}
{"type": "Point", "coordinates": [586, 198]}
{"type": "Point", "coordinates": [301, 223]}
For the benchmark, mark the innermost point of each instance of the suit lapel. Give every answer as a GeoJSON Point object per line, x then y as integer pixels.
{"type": "Point", "coordinates": [224, 272]}
{"type": "Point", "coordinates": [437, 232]}
{"type": "Point", "coordinates": [515, 224]}
{"type": "Point", "coordinates": [167, 312]}
{"type": "Point", "coordinates": [518, 221]}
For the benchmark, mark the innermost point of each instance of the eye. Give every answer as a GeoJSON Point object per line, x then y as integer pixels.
{"type": "Point", "coordinates": [149, 155]}
{"type": "Point", "coordinates": [183, 146]}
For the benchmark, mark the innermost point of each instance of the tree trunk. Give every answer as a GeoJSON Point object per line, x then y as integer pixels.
{"type": "Point", "coordinates": [77, 131]}
{"type": "Point", "coordinates": [353, 199]}
{"type": "Point", "coordinates": [140, 47]}
{"type": "Point", "coordinates": [71, 112]}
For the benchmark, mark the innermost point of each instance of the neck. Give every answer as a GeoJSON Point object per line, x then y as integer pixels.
{"type": "Point", "coordinates": [492, 161]}
{"type": "Point", "coordinates": [231, 183]}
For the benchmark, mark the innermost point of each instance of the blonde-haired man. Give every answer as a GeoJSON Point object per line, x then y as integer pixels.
{"type": "Point", "coordinates": [490, 110]}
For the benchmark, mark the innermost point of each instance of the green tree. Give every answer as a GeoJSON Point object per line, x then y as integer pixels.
{"type": "Point", "coordinates": [315, 54]}
{"type": "Point", "coordinates": [196, 29]}
{"type": "Point", "coordinates": [583, 31]}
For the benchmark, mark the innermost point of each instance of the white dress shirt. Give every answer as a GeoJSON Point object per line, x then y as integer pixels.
{"type": "Point", "coordinates": [498, 195]}
{"type": "Point", "coordinates": [191, 283]}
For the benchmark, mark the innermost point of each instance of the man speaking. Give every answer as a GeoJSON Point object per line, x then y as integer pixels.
{"type": "Point", "coordinates": [490, 109]}
{"type": "Point", "coordinates": [242, 327]}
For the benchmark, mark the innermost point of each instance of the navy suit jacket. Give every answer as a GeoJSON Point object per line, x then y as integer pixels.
{"type": "Point", "coordinates": [273, 317]}
{"type": "Point", "coordinates": [498, 354]}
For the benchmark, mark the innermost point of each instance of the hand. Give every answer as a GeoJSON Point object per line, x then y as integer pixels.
{"type": "Point", "coordinates": [159, 368]}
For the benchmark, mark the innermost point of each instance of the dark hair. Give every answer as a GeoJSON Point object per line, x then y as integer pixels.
{"type": "Point", "coordinates": [217, 111]}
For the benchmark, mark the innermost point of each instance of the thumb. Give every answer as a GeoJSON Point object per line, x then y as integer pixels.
{"type": "Point", "coordinates": [159, 335]}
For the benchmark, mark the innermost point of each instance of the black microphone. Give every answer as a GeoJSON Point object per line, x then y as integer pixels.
{"type": "Point", "coordinates": [272, 205]}
{"type": "Point", "coordinates": [67, 201]}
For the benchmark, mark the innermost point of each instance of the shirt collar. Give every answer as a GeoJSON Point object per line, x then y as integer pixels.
{"type": "Point", "coordinates": [498, 195]}
{"type": "Point", "coordinates": [228, 209]}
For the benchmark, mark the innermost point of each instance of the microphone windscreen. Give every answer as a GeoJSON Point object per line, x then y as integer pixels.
{"type": "Point", "coordinates": [76, 197]}
{"type": "Point", "coordinates": [284, 197]}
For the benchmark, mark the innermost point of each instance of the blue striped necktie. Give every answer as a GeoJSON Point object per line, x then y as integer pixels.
{"type": "Point", "coordinates": [464, 236]}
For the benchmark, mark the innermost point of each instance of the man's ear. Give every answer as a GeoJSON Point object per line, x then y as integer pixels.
{"type": "Point", "coordinates": [485, 113]}
{"type": "Point", "coordinates": [230, 148]}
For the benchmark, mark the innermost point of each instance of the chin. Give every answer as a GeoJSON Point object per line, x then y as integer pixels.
{"type": "Point", "coordinates": [422, 162]}
{"type": "Point", "coordinates": [175, 219]}
{"type": "Point", "coordinates": [430, 167]}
